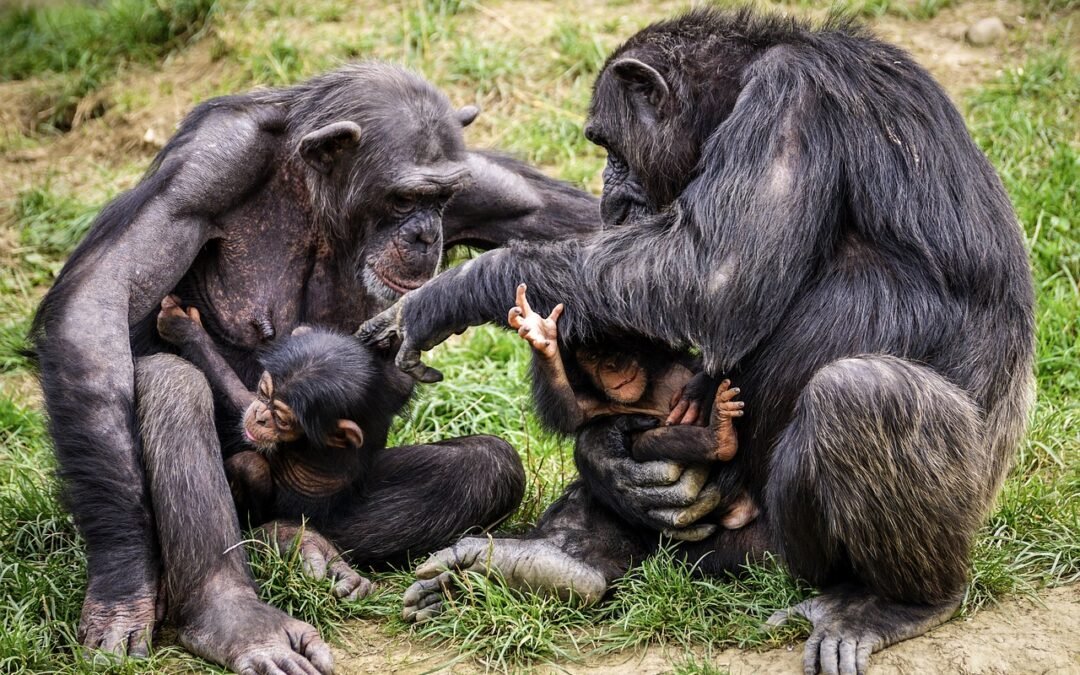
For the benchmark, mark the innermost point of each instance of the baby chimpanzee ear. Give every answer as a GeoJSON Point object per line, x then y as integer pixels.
{"type": "Point", "coordinates": [302, 329]}
{"type": "Point", "coordinates": [352, 432]}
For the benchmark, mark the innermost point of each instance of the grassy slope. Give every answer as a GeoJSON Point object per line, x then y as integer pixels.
{"type": "Point", "coordinates": [532, 78]}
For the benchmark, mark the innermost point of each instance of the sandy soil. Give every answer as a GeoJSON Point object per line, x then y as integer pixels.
{"type": "Point", "coordinates": [1019, 636]}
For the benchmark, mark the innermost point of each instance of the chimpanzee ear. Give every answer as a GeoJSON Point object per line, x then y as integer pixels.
{"type": "Point", "coordinates": [641, 78]}
{"type": "Point", "coordinates": [302, 329]}
{"type": "Point", "coordinates": [467, 114]}
{"type": "Point", "coordinates": [322, 147]}
{"type": "Point", "coordinates": [352, 432]}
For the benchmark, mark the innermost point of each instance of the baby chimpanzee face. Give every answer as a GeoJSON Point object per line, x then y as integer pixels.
{"type": "Point", "coordinates": [620, 377]}
{"type": "Point", "coordinates": [269, 421]}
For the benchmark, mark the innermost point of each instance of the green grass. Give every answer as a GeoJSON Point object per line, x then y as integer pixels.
{"type": "Point", "coordinates": [533, 82]}
{"type": "Point", "coordinates": [83, 44]}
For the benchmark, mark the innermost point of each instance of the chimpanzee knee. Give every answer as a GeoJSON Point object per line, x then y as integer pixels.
{"type": "Point", "coordinates": [881, 477]}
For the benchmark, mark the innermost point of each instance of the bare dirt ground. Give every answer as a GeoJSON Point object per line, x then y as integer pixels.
{"type": "Point", "coordinates": [1019, 636]}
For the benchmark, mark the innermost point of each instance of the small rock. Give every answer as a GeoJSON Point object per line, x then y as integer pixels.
{"type": "Point", "coordinates": [985, 32]}
{"type": "Point", "coordinates": [152, 138]}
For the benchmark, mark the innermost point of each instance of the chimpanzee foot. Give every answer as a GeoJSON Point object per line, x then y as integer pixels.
{"type": "Point", "coordinates": [237, 630]}
{"type": "Point", "coordinates": [850, 624]}
{"type": "Point", "coordinates": [534, 565]}
{"type": "Point", "coordinates": [725, 408]}
{"type": "Point", "coordinates": [121, 627]}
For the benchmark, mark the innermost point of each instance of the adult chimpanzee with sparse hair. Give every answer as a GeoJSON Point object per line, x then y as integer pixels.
{"type": "Point", "coordinates": [806, 207]}
{"type": "Point", "coordinates": [317, 203]}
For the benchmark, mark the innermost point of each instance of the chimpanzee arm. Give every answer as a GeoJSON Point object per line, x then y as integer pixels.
{"type": "Point", "coordinates": [684, 443]}
{"type": "Point", "coordinates": [138, 249]}
{"type": "Point", "coordinates": [556, 403]}
{"type": "Point", "coordinates": [184, 330]}
{"type": "Point", "coordinates": [717, 270]}
{"type": "Point", "coordinates": [201, 351]}
{"type": "Point", "coordinates": [510, 200]}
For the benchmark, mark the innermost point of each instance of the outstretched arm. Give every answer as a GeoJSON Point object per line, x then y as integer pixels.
{"type": "Point", "coordinates": [510, 200]}
{"type": "Point", "coordinates": [717, 270]}
{"type": "Point", "coordinates": [184, 329]}
{"type": "Point", "coordinates": [556, 403]}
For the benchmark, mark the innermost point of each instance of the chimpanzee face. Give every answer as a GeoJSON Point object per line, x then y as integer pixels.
{"type": "Point", "coordinates": [620, 377]}
{"type": "Point", "coordinates": [385, 179]}
{"type": "Point", "coordinates": [651, 145]}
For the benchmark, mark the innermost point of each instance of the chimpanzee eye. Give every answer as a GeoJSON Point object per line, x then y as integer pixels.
{"type": "Point", "coordinates": [402, 203]}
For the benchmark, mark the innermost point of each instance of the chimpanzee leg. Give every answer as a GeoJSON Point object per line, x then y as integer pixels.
{"type": "Point", "coordinates": [876, 490]}
{"type": "Point", "coordinates": [421, 497]}
{"type": "Point", "coordinates": [209, 590]}
{"type": "Point", "coordinates": [577, 549]}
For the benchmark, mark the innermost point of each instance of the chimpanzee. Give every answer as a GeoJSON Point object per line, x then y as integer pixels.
{"type": "Point", "coordinates": [631, 377]}
{"type": "Point", "coordinates": [318, 418]}
{"type": "Point", "coordinates": [805, 206]}
{"type": "Point", "coordinates": [317, 203]}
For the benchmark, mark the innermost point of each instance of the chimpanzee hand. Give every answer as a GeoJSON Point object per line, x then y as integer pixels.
{"type": "Point", "coordinates": [696, 396]}
{"type": "Point", "coordinates": [392, 327]}
{"type": "Point", "coordinates": [176, 325]}
{"type": "Point", "coordinates": [662, 496]}
{"type": "Point", "coordinates": [539, 331]}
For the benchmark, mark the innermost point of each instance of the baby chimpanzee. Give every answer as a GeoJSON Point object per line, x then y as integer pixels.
{"type": "Point", "coordinates": [631, 378]}
{"type": "Point", "coordinates": [321, 398]}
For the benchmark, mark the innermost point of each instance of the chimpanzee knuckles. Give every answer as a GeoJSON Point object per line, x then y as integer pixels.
{"type": "Point", "coordinates": [322, 147]}
{"type": "Point", "coordinates": [384, 331]}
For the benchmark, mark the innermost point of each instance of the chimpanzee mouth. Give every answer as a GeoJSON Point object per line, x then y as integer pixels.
{"type": "Point", "coordinates": [399, 286]}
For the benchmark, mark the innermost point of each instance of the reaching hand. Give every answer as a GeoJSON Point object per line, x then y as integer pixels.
{"type": "Point", "coordinates": [176, 325]}
{"type": "Point", "coordinates": [386, 331]}
{"type": "Point", "coordinates": [539, 332]}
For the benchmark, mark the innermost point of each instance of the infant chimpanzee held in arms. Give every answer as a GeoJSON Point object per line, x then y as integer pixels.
{"type": "Point", "coordinates": [631, 378]}
{"type": "Point", "coordinates": [322, 398]}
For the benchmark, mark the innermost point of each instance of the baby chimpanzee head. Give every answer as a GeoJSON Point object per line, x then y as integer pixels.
{"type": "Point", "coordinates": [325, 387]}
{"type": "Point", "coordinates": [618, 375]}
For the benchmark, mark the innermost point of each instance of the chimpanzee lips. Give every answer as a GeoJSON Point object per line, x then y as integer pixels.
{"type": "Point", "coordinates": [396, 284]}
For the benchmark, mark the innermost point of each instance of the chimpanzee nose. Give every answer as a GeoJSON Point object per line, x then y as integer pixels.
{"type": "Point", "coordinates": [426, 232]}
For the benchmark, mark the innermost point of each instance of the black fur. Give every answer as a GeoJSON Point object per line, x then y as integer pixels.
{"type": "Point", "coordinates": [806, 207]}
{"type": "Point", "coordinates": [248, 217]}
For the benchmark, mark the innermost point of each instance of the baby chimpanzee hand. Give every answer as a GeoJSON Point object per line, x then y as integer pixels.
{"type": "Point", "coordinates": [539, 332]}
{"type": "Point", "coordinates": [175, 325]}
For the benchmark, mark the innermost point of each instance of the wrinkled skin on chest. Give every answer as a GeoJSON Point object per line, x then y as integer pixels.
{"type": "Point", "coordinates": [261, 277]}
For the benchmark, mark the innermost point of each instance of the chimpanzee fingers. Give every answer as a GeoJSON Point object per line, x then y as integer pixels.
{"type": "Point", "coordinates": [353, 589]}
{"type": "Point", "coordinates": [513, 318]}
{"type": "Point", "coordinates": [313, 561]}
{"type": "Point", "coordinates": [654, 474]}
{"type": "Point", "coordinates": [462, 554]}
{"type": "Point", "coordinates": [383, 328]}
{"type": "Point", "coordinates": [408, 360]}
{"type": "Point", "coordinates": [556, 313]}
{"type": "Point", "coordinates": [726, 392]}
{"type": "Point", "coordinates": [677, 411]}
{"type": "Point", "coordinates": [692, 533]}
{"type": "Point", "coordinates": [194, 315]}
{"type": "Point", "coordinates": [692, 414]}
{"type": "Point", "coordinates": [317, 652]}
{"type": "Point", "coordinates": [521, 300]}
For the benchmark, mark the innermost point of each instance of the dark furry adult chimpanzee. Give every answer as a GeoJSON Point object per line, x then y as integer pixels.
{"type": "Point", "coordinates": [806, 207]}
{"type": "Point", "coordinates": [317, 203]}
